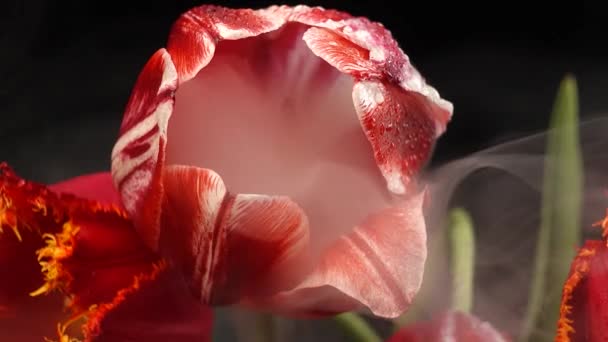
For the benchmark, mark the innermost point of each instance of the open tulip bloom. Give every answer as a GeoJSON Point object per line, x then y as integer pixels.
{"type": "Point", "coordinates": [266, 158]}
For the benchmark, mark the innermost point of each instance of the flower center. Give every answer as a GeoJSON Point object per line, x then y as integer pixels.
{"type": "Point", "coordinates": [270, 117]}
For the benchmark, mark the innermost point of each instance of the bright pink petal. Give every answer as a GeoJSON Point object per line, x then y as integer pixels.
{"type": "Point", "coordinates": [378, 265]}
{"type": "Point", "coordinates": [97, 187]}
{"type": "Point", "coordinates": [230, 246]}
{"type": "Point", "coordinates": [452, 326]}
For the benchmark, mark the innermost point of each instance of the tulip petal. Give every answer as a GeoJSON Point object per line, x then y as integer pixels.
{"type": "Point", "coordinates": [379, 265]}
{"type": "Point", "coordinates": [22, 317]}
{"type": "Point", "coordinates": [451, 326]}
{"type": "Point", "coordinates": [230, 246]}
{"type": "Point", "coordinates": [96, 187]}
{"type": "Point", "coordinates": [409, 117]}
{"type": "Point", "coordinates": [584, 307]}
{"type": "Point", "coordinates": [84, 250]}
{"type": "Point", "coordinates": [401, 115]}
{"type": "Point", "coordinates": [161, 310]}
{"type": "Point", "coordinates": [356, 108]}
{"type": "Point", "coordinates": [138, 156]}
{"type": "Point", "coordinates": [195, 34]}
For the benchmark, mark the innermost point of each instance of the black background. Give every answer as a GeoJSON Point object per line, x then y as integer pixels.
{"type": "Point", "coordinates": [67, 68]}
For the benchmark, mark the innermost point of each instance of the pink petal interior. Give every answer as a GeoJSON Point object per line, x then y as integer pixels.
{"type": "Point", "coordinates": [272, 118]}
{"type": "Point", "coordinates": [379, 264]}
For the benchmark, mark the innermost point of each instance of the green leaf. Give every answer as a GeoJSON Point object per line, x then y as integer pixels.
{"type": "Point", "coordinates": [458, 238]}
{"type": "Point", "coordinates": [462, 260]}
{"type": "Point", "coordinates": [357, 328]}
{"type": "Point", "coordinates": [559, 232]}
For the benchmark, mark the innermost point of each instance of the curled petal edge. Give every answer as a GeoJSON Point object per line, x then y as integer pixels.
{"type": "Point", "coordinates": [376, 62]}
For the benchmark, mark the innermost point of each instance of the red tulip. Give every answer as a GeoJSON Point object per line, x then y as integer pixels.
{"type": "Point", "coordinates": [98, 278]}
{"type": "Point", "coordinates": [271, 156]}
{"type": "Point", "coordinates": [452, 326]}
{"type": "Point", "coordinates": [584, 307]}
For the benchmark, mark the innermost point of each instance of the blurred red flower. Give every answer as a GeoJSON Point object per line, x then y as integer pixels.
{"type": "Point", "coordinates": [584, 308]}
{"type": "Point", "coordinates": [453, 326]}
{"type": "Point", "coordinates": [99, 279]}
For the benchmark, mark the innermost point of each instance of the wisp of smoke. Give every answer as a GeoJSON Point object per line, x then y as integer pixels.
{"type": "Point", "coordinates": [501, 188]}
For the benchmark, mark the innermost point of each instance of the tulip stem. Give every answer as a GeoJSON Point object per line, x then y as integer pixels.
{"type": "Point", "coordinates": [462, 248]}
{"type": "Point", "coordinates": [357, 328]}
{"type": "Point", "coordinates": [265, 327]}
{"type": "Point", "coordinates": [559, 230]}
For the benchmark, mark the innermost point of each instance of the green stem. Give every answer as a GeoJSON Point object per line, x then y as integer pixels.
{"type": "Point", "coordinates": [462, 247]}
{"type": "Point", "coordinates": [357, 328]}
{"type": "Point", "coordinates": [265, 328]}
{"type": "Point", "coordinates": [560, 216]}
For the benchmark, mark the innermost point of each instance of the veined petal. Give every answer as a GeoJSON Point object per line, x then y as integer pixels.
{"type": "Point", "coordinates": [230, 246]}
{"type": "Point", "coordinates": [139, 153]}
{"type": "Point", "coordinates": [400, 114]}
{"type": "Point", "coordinates": [195, 34]}
{"type": "Point", "coordinates": [451, 326]}
{"type": "Point", "coordinates": [84, 253]}
{"type": "Point", "coordinates": [378, 265]}
{"type": "Point", "coordinates": [308, 105]}
{"type": "Point", "coordinates": [409, 113]}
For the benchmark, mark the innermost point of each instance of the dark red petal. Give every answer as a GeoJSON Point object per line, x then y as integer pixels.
{"type": "Point", "coordinates": [230, 247]}
{"type": "Point", "coordinates": [100, 254]}
{"type": "Point", "coordinates": [23, 317]}
{"type": "Point", "coordinates": [584, 308]}
{"type": "Point", "coordinates": [97, 187]}
{"type": "Point", "coordinates": [160, 310]}
{"type": "Point", "coordinates": [597, 301]}
{"type": "Point", "coordinates": [138, 155]}
{"type": "Point", "coordinates": [451, 326]}
{"type": "Point", "coordinates": [379, 265]}
{"type": "Point", "coordinates": [398, 125]}
{"type": "Point", "coordinates": [89, 253]}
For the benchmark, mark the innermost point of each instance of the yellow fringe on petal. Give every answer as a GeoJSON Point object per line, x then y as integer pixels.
{"type": "Point", "coordinates": [7, 215]}
{"type": "Point", "coordinates": [58, 247]}
{"type": "Point", "coordinates": [580, 268]}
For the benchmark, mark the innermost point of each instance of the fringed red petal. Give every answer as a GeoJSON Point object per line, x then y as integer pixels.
{"type": "Point", "coordinates": [87, 256]}
{"type": "Point", "coordinates": [584, 306]}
